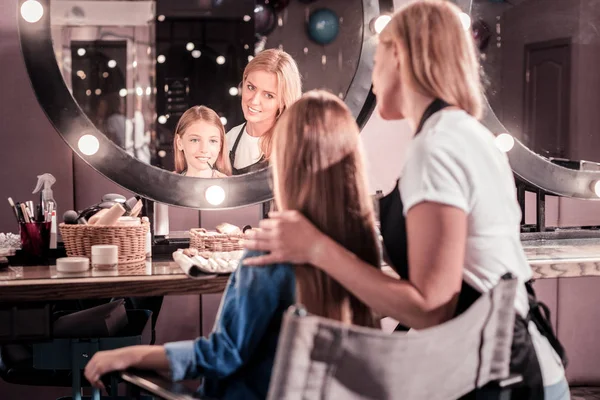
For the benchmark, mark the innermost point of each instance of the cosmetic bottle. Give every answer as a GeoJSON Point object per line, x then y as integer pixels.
{"type": "Point", "coordinates": [44, 186]}
{"type": "Point", "coordinates": [148, 239]}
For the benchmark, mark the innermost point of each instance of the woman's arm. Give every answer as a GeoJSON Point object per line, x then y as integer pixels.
{"type": "Point", "coordinates": [435, 253]}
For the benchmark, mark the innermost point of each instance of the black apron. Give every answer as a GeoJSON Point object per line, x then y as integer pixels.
{"type": "Point", "coordinates": [393, 230]}
{"type": "Point", "coordinates": [260, 164]}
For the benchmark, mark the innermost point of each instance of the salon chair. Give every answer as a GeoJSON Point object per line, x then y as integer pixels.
{"type": "Point", "coordinates": [59, 362]}
{"type": "Point", "coordinates": [319, 358]}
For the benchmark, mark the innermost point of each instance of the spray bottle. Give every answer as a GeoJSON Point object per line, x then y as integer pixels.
{"type": "Point", "coordinates": [48, 204]}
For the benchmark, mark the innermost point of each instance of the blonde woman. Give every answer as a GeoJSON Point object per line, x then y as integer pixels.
{"type": "Point", "coordinates": [451, 227]}
{"type": "Point", "coordinates": [271, 83]}
{"type": "Point", "coordinates": [199, 145]}
{"type": "Point", "coordinates": [319, 133]}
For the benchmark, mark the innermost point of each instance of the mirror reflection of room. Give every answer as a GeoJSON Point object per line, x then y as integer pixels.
{"type": "Point", "coordinates": [134, 74]}
{"type": "Point", "coordinates": [536, 55]}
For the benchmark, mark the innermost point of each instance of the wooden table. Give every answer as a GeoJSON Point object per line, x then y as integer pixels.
{"type": "Point", "coordinates": [158, 278]}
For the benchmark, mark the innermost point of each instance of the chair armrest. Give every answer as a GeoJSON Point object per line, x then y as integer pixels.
{"type": "Point", "coordinates": [151, 382]}
{"type": "Point", "coordinates": [499, 389]}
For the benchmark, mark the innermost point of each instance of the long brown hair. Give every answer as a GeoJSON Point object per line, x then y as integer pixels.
{"type": "Point", "coordinates": [318, 170]}
{"type": "Point", "coordinates": [191, 116]}
{"type": "Point", "coordinates": [439, 53]}
{"type": "Point", "coordinates": [289, 84]}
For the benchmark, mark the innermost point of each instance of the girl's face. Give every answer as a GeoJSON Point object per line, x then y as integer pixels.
{"type": "Point", "coordinates": [260, 100]}
{"type": "Point", "coordinates": [201, 144]}
{"type": "Point", "coordinates": [387, 82]}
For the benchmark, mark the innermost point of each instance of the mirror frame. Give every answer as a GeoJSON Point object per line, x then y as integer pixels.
{"type": "Point", "coordinates": [534, 169]}
{"type": "Point", "coordinates": [148, 181]}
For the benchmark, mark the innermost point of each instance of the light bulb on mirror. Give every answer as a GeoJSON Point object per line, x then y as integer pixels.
{"type": "Point", "coordinates": [505, 142]}
{"type": "Point", "coordinates": [377, 24]}
{"type": "Point", "coordinates": [595, 187]}
{"type": "Point", "coordinates": [215, 195]}
{"type": "Point", "coordinates": [465, 20]}
{"type": "Point", "coordinates": [220, 60]}
{"type": "Point", "coordinates": [88, 145]}
{"type": "Point", "coordinates": [32, 11]}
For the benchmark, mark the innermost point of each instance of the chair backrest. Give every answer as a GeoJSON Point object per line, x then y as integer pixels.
{"type": "Point", "coordinates": [325, 359]}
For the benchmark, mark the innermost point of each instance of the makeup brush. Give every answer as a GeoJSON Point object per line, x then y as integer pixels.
{"type": "Point", "coordinates": [12, 205]}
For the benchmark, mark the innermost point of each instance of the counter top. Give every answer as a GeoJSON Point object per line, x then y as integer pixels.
{"type": "Point", "coordinates": [150, 278]}
{"type": "Point", "coordinates": [563, 258]}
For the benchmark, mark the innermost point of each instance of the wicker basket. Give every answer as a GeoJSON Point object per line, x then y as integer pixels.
{"type": "Point", "coordinates": [131, 240]}
{"type": "Point", "coordinates": [204, 240]}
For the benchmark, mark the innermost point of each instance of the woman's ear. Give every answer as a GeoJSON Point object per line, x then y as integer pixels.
{"type": "Point", "coordinates": [179, 144]}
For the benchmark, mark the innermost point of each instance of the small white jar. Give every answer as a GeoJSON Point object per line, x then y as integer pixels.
{"type": "Point", "coordinates": [105, 256]}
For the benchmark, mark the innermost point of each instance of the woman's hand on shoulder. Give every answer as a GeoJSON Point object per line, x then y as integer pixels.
{"type": "Point", "coordinates": [287, 236]}
{"type": "Point", "coordinates": [218, 174]}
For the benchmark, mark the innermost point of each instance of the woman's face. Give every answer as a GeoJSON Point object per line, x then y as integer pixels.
{"type": "Point", "coordinates": [260, 100]}
{"type": "Point", "coordinates": [201, 145]}
{"type": "Point", "coordinates": [386, 82]}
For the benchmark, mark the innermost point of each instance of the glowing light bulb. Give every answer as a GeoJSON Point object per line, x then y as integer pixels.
{"type": "Point", "coordinates": [223, 120]}
{"type": "Point", "coordinates": [215, 195]}
{"type": "Point", "coordinates": [162, 119]}
{"type": "Point", "coordinates": [161, 59]}
{"type": "Point", "coordinates": [190, 46]}
{"type": "Point", "coordinates": [233, 91]}
{"type": "Point", "coordinates": [32, 11]}
{"type": "Point", "coordinates": [81, 51]}
{"type": "Point", "coordinates": [504, 142]}
{"type": "Point", "coordinates": [196, 53]}
{"type": "Point", "coordinates": [112, 63]}
{"type": "Point", "coordinates": [465, 20]}
{"type": "Point", "coordinates": [123, 92]}
{"type": "Point", "coordinates": [220, 60]}
{"type": "Point", "coordinates": [380, 22]}
{"type": "Point", "coordinates": [88, 145]}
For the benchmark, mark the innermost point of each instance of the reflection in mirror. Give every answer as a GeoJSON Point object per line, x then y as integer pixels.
{"type": "Point", "coordinates": [135, 67]}
{"type": "Point", "coordinates": [537, 55]}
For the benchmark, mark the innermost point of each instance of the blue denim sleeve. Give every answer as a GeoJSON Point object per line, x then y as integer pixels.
{"type": "Point", "coordinates": [251, 298]}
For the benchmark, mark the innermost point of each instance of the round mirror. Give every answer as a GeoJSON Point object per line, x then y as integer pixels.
{"type": "Point", "coordinates": [120, 75]}
{"type": "Point", "coordinates": [535, 54]}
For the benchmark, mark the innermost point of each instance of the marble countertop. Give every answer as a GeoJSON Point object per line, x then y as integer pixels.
{"type": "Point", "coordinates": [563, 258]}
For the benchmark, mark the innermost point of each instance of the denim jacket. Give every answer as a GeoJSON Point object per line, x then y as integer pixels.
{"type": "Point", "coordinates": [236, 359]}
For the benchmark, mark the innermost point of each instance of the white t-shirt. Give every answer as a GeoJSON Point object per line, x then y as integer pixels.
{"type": "Point", "coordinates": [454, 161]}
{"type": "Point", "coordinates": [248, 150]}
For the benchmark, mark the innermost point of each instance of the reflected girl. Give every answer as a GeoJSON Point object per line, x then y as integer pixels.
{"type": "Point", "coordinates": [271, 83]}
{"type": "Point", "coordinates": [199, 145]}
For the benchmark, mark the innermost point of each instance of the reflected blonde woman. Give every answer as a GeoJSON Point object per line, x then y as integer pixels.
{"type": "Point", "coordinates": [271, 83]}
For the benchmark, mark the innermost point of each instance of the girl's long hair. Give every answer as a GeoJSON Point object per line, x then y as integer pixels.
{"type": "Point", "coordinates": [318, 170]}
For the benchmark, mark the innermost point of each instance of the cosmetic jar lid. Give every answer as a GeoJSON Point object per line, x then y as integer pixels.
{"type": "Point", "coordinates": [72, 264]}
{"type": "Point", "coordinates": [129, 221]}
{"type": "Point", "coordinates": [105, 249]}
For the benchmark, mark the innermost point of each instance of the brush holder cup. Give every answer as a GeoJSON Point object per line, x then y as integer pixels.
{"type": "Point", "coordinates": [35, 238]}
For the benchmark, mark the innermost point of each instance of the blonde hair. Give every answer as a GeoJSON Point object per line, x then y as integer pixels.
{"type": "Point", "coordinates": [318, 170]}
{"type": "Point", "coordinates": [439, 54]}
{"type": "Point", "coordinates": [289, 84]}
{"type": "Point", "coordinates": [191, 116]}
